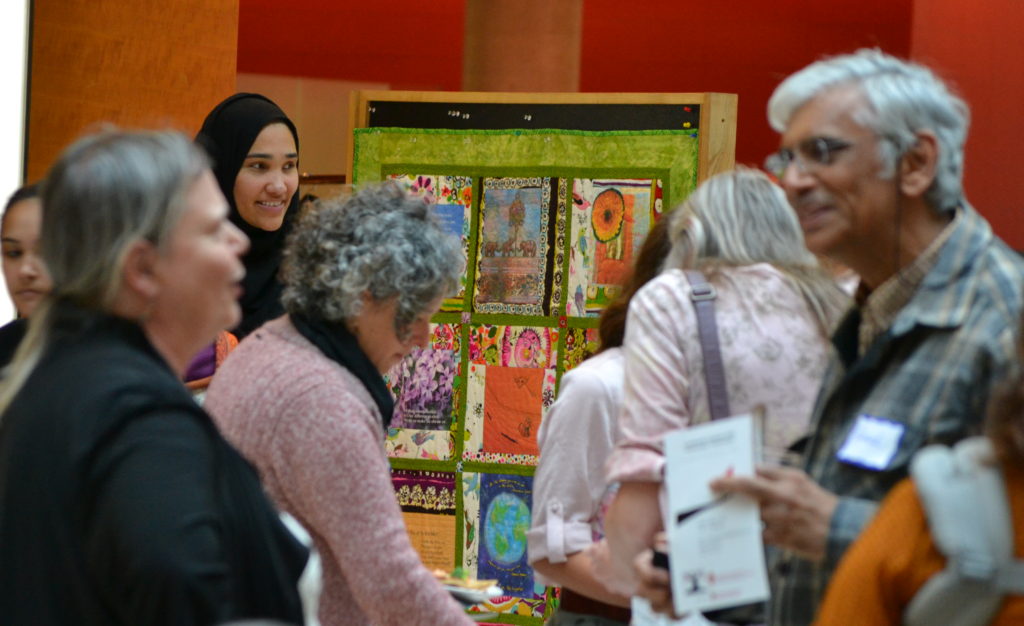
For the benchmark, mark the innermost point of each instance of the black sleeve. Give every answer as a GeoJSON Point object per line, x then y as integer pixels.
{"type": "Point", "coordinates": [154, 536]}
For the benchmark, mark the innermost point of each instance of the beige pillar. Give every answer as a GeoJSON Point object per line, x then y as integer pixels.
{"type": "Point", "coordinates": [522, 45]}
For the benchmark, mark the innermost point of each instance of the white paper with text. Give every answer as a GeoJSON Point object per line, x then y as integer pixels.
{"type": "Point", "coordinates": [715, 547]}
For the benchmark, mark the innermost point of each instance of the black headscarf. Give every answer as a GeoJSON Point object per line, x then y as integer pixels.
{"type": "Point", "coordinates": [227, 135]}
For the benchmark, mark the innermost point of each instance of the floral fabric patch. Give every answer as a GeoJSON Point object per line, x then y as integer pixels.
{"type": "Point", "coordinates": [426, 386]}
{"type": "Point", "coordinates": [610, 219]}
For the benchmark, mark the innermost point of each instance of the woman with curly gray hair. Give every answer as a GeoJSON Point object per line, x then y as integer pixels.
{"type": "Point", "coordinates": [304, 399]}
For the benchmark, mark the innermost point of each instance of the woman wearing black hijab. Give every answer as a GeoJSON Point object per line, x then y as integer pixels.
{"type": "Point", "coordinates": [254, 147]}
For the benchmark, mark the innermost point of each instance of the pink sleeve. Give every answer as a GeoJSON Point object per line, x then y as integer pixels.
{"type": "Point", "coordinates": [657, 384]}
{"type": "Point", "coordinates": [332, 467]}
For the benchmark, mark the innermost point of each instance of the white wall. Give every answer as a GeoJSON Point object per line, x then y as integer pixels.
{"type": "Point", "coordinates": [14, 36]}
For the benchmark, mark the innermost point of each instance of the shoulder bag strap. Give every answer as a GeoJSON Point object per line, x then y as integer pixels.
{"type": "Point", "coordinates": [703, 295]}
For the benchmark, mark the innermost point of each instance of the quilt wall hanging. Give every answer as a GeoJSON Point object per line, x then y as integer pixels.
{"type": "Point", "coordinates": [549, 220]}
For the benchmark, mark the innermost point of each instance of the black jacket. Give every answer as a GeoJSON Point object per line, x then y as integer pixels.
{"type": "Point", "coordinates": [120, 503]}
{"type": "Point", "coordinates": [11, 335]}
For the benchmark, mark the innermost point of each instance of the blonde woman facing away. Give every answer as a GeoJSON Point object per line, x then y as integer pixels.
{"type": "Point", "coordinates": [774, 309]}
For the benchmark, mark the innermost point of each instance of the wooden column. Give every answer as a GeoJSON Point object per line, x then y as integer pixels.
{"type": "Point", "coordinates": [522, 45]}
{"type": "Point", "coordinates": [144, 63]}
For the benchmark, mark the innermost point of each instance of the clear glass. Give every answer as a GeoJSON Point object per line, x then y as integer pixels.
{"type": "Point", "coordinates": [810, 155]}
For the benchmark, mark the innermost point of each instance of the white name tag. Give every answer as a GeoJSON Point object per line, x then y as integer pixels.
{"type": "Point", "coordinates": [872, 443]}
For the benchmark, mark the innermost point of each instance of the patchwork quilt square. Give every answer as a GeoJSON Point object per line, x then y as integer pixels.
{"type": "Point", "coordinates": [426, 386]}
{"type": "Point", "coordinates": [497, 514]}
{"type": "Point", "coordinates": [428, 500]}
{"type": "Point", "coordinates": [452, 201]}
{"type": "Point", "coordinates": [512, 269]}
{"type": "Point", "coordinates": [610, 219]}
{"type": "Point", "coordinates": [509, 387]}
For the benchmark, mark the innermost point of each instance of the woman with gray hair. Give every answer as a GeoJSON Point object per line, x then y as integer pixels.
{"type": "Point", "coordinates": [774, 311]}
{"type": "Point", "coordinates": [120, 502]}
{"type": "Point", "coordinates": [304, 398]}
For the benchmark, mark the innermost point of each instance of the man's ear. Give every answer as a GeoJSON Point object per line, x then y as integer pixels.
{"type": "Point", "coordinates": [919, 164]}
{"type": "Point", "coordinates": [140, 271]}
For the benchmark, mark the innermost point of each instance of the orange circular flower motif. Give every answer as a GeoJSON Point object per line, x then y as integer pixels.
{"type": "Point", "coordinates": [609, 212]}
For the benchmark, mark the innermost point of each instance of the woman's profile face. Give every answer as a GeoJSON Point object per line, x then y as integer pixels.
{"type": "Point", "coordinates": [374, 329]}
{"type": "Point", "coordinates": [268, 179]}
{"type": "Point", "coordinates": [200, 271]}
{"type": "Point", "coordinates": [27, 279]}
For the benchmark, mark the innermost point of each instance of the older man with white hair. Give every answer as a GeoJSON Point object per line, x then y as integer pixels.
{"type": "Point", "coordinates": [872, 159]}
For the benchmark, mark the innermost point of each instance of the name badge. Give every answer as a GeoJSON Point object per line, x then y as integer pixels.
{"type": "Point", "coordinates": [872, 442]}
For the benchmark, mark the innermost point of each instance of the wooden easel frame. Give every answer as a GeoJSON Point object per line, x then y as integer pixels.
{"type": "Point", "coordinates": [717, 114]}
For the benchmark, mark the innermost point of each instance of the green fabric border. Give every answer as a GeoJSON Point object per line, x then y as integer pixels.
{"type": "Point", "coordinates": [531, 171]}
{"type": "Point", "coordinates": [536, 151]}
{"type": "Point", "coordinates": [460, 442]}
{"type": "Point", "coordinates": [447, 317]}
{"type": "Point", "coordinates": [509, 319]}
{"type": "Point", "coordinates": [460, 433]}
{"type": "Point", "coordinates": [429, 465]}
{"type": "Point", "coordinates": [460, 517]}
{"type": "Point", "coordinates": [582, 322]}
{"type": "Point", "coordinates": [498, 468]}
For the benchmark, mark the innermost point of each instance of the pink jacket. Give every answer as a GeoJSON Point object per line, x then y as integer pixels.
{"type": "Point", "coordinates": [315, 435]}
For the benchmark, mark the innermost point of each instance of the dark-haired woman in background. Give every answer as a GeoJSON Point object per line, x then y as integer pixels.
{"type": "Point", "coordinates": [255, 152]}
{"type": "Point", "coordinates": [24, 271]}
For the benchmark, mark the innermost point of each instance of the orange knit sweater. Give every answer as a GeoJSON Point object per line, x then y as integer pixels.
{"type": "Point", "coordinates": [882, 571]}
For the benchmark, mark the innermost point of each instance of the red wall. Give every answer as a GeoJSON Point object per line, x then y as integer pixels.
{"type": "Point", "coordinates": [980, 48]}
{"type": "Point", "coordinates": [740, 46]}
{"type": "Point", "coordinates": [405, 43]}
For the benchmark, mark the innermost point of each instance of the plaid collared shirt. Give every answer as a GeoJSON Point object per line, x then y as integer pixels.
{"type": "Point", "coordinates": [931, 371]}
{"type": "Point", "coordinates": [880, 307]}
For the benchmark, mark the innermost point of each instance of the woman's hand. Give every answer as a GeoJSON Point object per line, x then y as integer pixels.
{"type": "Point", "coordinates": [654, 583]}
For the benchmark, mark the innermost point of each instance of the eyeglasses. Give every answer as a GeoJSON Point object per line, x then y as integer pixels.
{"type": "Point", "coordinates": [810, 155]}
